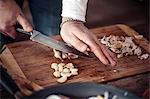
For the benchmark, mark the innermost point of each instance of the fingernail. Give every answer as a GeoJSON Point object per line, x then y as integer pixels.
{"type": "Point", "coordinates": [88, 49]}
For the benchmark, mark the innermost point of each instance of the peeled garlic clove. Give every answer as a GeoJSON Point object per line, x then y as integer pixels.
{"type": "Point", "coordinates": [62, 79]}
{"type": "Point", "coordinates": [138, 36]}
{"type": "Point", "coordinates": [144, 56]}
{"type": "Point", "coordinates": [56, 74]}
{"type": "Point", "coordinates": [74, 73]}
{"type": "Point", "coordinates": [69, 65]}
{"type": "Point", "coordinates": [137, 51]}
{"type": "Point", "coordinates": [54, 66]}
{"type": "Point", "coordinates": [57, 54]}
{"type": "Point", "coordinates": [119, 55]}
{"type": "Point", "coordinates": [61, 64]}
{"type": "Point", "coordinates": [73, 69]}
{"type": "Point", "coordinates": [64, 55]}
{"type": "Point", "coordinates": [66, 70]}
{"type": "Point", "coordinates": [60, 67]}
{"type": "Point", "coordinates": [65, 74]}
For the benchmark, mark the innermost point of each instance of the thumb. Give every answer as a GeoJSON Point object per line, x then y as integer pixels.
{"type": "Point", "coordinates": [24, 23]}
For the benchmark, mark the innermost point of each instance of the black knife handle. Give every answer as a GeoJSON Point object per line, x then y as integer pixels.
{"type": "Point", "coordinates": [7, 82]}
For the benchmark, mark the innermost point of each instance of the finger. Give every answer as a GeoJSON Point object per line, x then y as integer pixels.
{"type": "Point", "coordinates": [107, 53]}
{"type": "Point", "coordinates": [98, 52]}
{"type": "Point", "coordinates": [11, 32]}
{"type": "Point", "coordinates": [113, 55]}
{"type": "Point", "coordinates": [76, 43]}
{"type": "Point", "coordinates": [93, 46]}
{"type": "Point", "coordinates": [24, 23]}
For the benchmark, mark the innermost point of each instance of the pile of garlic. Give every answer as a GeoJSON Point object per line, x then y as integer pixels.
{"type": "Point", "coordinates": [123, 46]}
{"type": "Point", "coordinates": [62, 71]}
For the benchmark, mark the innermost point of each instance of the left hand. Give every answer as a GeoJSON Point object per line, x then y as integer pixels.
{"type": "Point", "coordinates": [76, 34]}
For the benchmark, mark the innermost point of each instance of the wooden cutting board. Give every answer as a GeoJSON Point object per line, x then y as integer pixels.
{"type": "Point", "coordinates": [33, 60]}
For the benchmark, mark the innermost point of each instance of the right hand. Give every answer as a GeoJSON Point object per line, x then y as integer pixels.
{"type": "Point", "coordinates": [10, 14]}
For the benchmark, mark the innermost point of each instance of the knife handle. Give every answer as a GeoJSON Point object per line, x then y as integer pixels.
{"type": "Point", "coordinates": [23, 31]}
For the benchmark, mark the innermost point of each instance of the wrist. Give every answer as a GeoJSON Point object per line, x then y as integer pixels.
{"type": "Point", "coordinates": [70, 20]}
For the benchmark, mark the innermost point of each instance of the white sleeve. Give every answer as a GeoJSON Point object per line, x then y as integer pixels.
{"type": "Point", "coordinates": [75, 9]}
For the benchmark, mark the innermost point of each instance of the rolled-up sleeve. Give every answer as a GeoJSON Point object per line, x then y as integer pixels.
{"type": "Point", "coordinates": [75, 9]}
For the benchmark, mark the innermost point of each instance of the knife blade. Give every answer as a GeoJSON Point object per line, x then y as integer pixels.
{"type": "Point", "coordinates": [36, 36]}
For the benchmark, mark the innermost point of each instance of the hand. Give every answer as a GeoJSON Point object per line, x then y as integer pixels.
{"type": "Point", "coordinates": [10, 14]}
{"type": "Point", "coordinates": [82, 39]}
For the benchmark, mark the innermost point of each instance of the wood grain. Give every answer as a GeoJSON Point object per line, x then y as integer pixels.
{"type": "Point", "coordinates": [14, 70]}
{"type": "Point", "coordinates": [35, 59]}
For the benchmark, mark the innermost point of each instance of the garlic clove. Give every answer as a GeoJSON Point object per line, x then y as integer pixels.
{"type": "Point", "coordinates": [56, 74]}
{"type": "Point", "coordinates": [62, 79]}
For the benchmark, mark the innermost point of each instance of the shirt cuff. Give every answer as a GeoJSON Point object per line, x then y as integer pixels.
{"type": "Point", "coordinates": [75, 9]}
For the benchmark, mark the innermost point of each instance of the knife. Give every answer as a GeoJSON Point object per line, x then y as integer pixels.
{"type": "Point", "coordinates": [36, 36]}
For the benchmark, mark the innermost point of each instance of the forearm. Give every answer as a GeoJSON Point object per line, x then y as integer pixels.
{"type": "Point", "coordinates": [75, 9]}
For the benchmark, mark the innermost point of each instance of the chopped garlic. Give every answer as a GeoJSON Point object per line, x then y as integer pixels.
{"type": "Point", "coordinates": [123, 46]}
{"type": "Point", "coordinates": [137, 51]}
{"type": "Point", "coordinates": [138, 36]}
{"type": "Point", "coordinates": [144, 56]}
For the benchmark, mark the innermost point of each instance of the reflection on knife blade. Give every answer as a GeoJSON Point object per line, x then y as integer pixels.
{"type": "Point", "coordinates": [47, 41]}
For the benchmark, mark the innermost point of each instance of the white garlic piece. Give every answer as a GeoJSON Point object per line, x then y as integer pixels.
{"type": "Point", "coordinates": [144, 56]}
{"type": "Point", "coordinates": [69, 65]}
{"type": "Point", "coordinates": [64, 55]}
{"type": "Point", "coordinates": [65, 74]}
{"type": "Point", "coordinates": [74, 73]}
{"type": "Point", "coordinates": [54, 66]}
{"type": "Point", "coordinates": [73, 69]}
{"type": "Point", "coordinates": [66, 70]}
{"type": "Point", "coordinates": [138, 36]}
{"type": "Point", "coordinates": [62, 79]}
{"type": "Point", "coordinates": [56, 74]}
{"type": "Point", "coordinates": [119, 55]}
{"type": "Point", "coordinates": [57, 54]}
{"type": "Point", "coordinates": [137, 51]}
{"type": "Point", "coordinates": [60, 67]}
